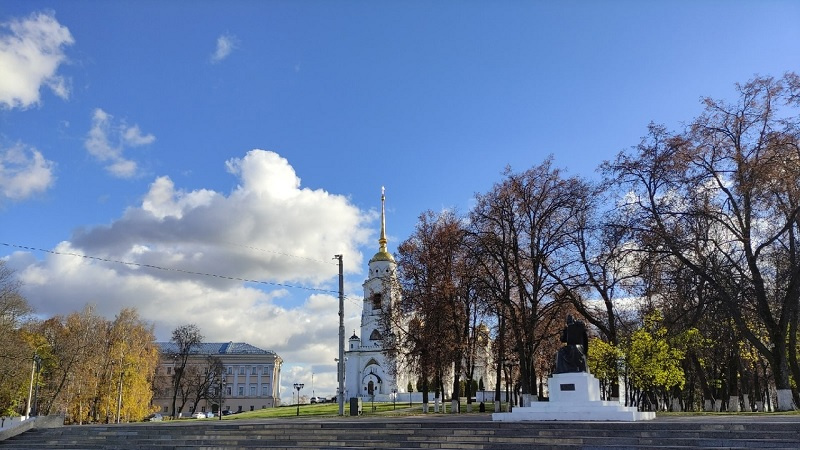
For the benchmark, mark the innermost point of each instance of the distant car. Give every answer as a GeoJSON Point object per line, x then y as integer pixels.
{"type": "Point", "coordinates": [318, 400]}
{"type": "Point", "coordinates": [227, 412]}
{"type": "Point", "coordinates": [199, 415]}
{"type": "Point", "coordinates": [210, 415]}
{"type": "Point", "coordinates": [154, 418]}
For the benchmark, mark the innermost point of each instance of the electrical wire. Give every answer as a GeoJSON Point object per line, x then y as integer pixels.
{"type": "Point", "coordinates": [150, 266]}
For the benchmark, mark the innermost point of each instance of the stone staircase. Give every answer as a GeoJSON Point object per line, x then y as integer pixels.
{"type": "Point", "coordinates": [716, 432]}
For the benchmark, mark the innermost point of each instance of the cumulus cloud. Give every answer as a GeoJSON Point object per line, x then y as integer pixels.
{"type": "Point", "coordinates": [265, 250]}
{"type": "Point", "coordinates": [225, 44]}
{"type": "Point", "coordinates": [24, 172]}
{"type": "Point", "coordinates": [107, 141]}
{"type": "Point", "coordinates": [31, 50]}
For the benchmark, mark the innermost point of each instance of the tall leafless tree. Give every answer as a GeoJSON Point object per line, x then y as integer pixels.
{"type": "Point", "coordinates": [185, 338]}
{"type": "Point", "coordinates": [523, 225]}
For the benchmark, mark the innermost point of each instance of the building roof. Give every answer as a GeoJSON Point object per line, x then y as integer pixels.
{"type": "Point", "coordinates": [216, 348]}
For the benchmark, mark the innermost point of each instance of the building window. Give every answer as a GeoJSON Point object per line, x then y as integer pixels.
{"type": "Point", "coordinates": [165, 409]}
{"type": "Point", "coordinates": [241, 391]}
{"type": "Point", "coordinates": [265, 370]}
{"type": "Point", "coordinates": [254, 370]}
{"type": "Point", "coordinates": [253, 391]}
{"type": "Point", "coordinates": [376, 335]}
{"type": "Point", "coordinates": [265, 390]}
{"type": "Point", "coordinates": [242, 370]}
{"type": "Point", "coordinates": [169, 371]}
{"type": "Point", "coordinates": [228, 390]}
{"type": "Point", "coordinates": [252, 407]}
{"type": "Point", "coordinates": [230, 370]}
{"type": "Point", "coordinates": [377, 301]}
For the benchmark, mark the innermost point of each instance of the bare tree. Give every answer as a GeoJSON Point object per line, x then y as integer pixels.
{"type": "Point", "coordinates": [523, 224]}
{"type": "Point", "coordinates": [205, 380]}
{"type": "Point", "coordinates": [185, 338]}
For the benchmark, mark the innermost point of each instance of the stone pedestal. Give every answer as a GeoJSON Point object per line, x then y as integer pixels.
{"type": "Point", "coordinates": [574, 397]}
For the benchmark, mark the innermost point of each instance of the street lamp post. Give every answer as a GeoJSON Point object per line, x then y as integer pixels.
{"type": "Point", "coordinates": [36, 361]}
{"type": "Point", "coordinates": [508, 382]}
{"type": "Point", "coordinates": [298, 387]}
{"type": "Point", "coordinates": [119, 396]}
{"type": "Point", "coordinates": [221, 393]}
{"type": "Point", "coordinates": [410, 394]}
{"type": "Point", "coordinates": [80, 406]}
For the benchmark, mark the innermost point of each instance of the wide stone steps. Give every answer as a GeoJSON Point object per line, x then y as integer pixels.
{"type": "Point", "coordinates": [351, 433]}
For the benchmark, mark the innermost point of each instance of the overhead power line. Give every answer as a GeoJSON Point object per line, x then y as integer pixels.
{"type": "Point", "coordinates": [279, 253]}
{"type": "Point", "coordinates": [170, 269]}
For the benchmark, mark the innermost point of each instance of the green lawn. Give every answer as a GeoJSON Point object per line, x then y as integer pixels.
{"type": "Point", "coordinates": [387, 409]}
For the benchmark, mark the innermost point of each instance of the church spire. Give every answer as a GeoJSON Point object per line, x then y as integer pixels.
{"type": "Point", "coordinates": [383, 254]}
{"type": "Point", "coordinates": [383, 242]}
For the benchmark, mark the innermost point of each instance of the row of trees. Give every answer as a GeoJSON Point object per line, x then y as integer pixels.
{"type": "Point", "coordinates": [92, 369]}
{"type": "Point", "coordinates": [82, 365]}
{"type": "Point", "coordinates": [683, 258]}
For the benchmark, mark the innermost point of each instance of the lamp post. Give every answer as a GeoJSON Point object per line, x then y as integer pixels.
{"type": "Point", "coordinates": [119, 396]}
{"type": "Point", "coordinates": [36, 362]}
{"type": "Point", "coordinates": [80, 405]}
{"type": "Point", "coordinates": [298, 387]}
{"type": "Point", "coordinates": [410, 392]}
{"type": "Point", "coordinates": [221, 393]}
{"type": "Point", "coordinates": [508, 382]}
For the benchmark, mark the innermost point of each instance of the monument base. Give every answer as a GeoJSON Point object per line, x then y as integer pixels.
{"type": "Point", "coordinates": [574, 397]}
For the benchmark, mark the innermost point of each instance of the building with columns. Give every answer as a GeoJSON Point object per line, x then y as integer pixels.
{"type": "Point", "coordinates": [251, 381]}
{"type": "Point", "coordinates": [367, 366]}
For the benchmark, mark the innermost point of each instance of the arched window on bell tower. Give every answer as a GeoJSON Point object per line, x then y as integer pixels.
{"type": "Point", "coordinates": [376, 300]}
{"type": "Point", "coordinates": [376, 336]}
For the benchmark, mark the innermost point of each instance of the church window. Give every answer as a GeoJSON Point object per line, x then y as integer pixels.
{"type": "Point", "coordinates": [376, 335]}
{"type": "Point", "coordinates": [377, 301]}
{"type": "Point", "coordinates": [372, 362]}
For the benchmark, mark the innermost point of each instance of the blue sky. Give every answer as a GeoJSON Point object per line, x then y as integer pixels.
{"type": "Point", "coordinates": [250, 139]}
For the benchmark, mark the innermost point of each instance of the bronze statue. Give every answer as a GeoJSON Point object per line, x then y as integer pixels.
{"type": "Point", "coordinates": [572, 357]}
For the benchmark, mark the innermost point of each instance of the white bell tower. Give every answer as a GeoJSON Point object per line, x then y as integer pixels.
{"type": "Point", "coordinates": [367, 364]}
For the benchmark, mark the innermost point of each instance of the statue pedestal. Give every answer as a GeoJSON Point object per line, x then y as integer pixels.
{"type": "Point", "coordinates": [574, 397]}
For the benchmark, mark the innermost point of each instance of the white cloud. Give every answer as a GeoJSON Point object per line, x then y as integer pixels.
{"type": "Point", "coordinates": [107, 142]}
{"type": "Point", "coordinates": [225, 44]}
{"type": "Point", "coordinates": [24, 172]}
{"type": "Point", "coordinates": [268, 229]}
{"type": "Point", "coordinates": [31, 49]}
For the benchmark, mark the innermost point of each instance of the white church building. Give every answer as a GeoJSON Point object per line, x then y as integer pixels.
{"type": "Point", "coordinates": [367, 373]}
